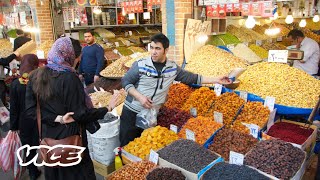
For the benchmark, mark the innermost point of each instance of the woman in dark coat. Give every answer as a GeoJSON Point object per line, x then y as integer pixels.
{"type": "Point", "coordinates": [60, 91]}
{"type": "Point", "coordinates": [27, 129]}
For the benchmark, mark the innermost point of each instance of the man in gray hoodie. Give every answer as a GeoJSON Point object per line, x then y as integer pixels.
{"type": "Point", "coordinates": [147, 83]}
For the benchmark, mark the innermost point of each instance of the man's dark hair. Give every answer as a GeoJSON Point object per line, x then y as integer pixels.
{"type": "Point", "coordinates": [89, 31]}
{"type": "Point", "coordinates": [76, 47]}
{"type": "Point", "coordinates": [19, 32]}
{"type": "Point", "coordinates": [295, 33]}
{"type": "Point", "coordinates": [161, 38]}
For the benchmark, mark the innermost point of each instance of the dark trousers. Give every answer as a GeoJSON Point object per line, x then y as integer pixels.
{"type": "Point", "coordinates": [318, 168]}
{"type": "Point", "coordinates": [88, 78]}
{"type": "Point", "coordinates": [3, 91]}
{"type": "Point", "coordinates": [128, 129]}
{"type": "Point", "coordinates": [33, 170]}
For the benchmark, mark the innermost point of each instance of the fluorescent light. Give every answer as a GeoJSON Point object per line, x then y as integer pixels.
{"type": "Point", "coordinates": [289, 19]}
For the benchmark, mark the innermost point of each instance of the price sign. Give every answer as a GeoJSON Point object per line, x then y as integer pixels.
{"type": "Point", "coordinates": [244, 95]}
{"type": "Point", "coordinates": [230, 46]}
{"type": "Point", "coordinates": [258, 42]}
{"type": "Point", "coordinates": [174, 128]}
{"type": "Point", "coordinates": [254, 130]}
{"type": "Point", "coordinates": [280, 56]}
{"type": "Point", "coordinates": [269, 102]}
{"type": "Point", "coordinates": [236, 158]}
{"type": "Point", "coordinates": [115, 51]}
{"type": "Point", "coordinates": [190, 135]}
{"type": "Point", "coordinates": [218, 89]}
{"type": "Point", "coordinates": [128, 43]}
{"type": "Point", "coordinates": [193, 112]}
{"type": "Point", "coordinates": [117, 44]}
{"type": "Point", "coordinates": [40, 54]}
{"type": "Point", "coordinates": [218, 117]}
{"type": "Point", "coordinates": [153, 157]}
{"type": "Point", "coordinates": [130, 33]}
{"type": "Point", "coordinates": [77, 21]}
{"type": "Point", "coordinates": [279, 39]}
{"type": "Point", "coordinates": [71, 25]}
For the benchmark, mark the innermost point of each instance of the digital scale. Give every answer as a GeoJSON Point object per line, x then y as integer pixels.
{"type": "Point", "coordinates": [295, 55]}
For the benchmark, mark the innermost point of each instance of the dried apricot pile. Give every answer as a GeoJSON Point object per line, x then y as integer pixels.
{"type": "Point", "coordinates": [178, 95]}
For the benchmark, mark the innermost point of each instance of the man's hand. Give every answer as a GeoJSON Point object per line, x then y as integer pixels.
{"type": "Point", "coordinates": [222, 80]}
{"type": "Point", "coordinates": [81, 77]}
{"type": "Point", "coordinates": [67, 118]}
{"type": "Point", "coordinates": [146, 102]}
{"type": "Point", "coordinates": [96, 78]}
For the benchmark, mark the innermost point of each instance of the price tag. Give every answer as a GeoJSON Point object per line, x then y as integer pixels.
{"type": "Point", "coordinates": [190, 135]}
{"type": "Point", "coordinates": [40, 54]}
{"type": "Point", "coordinates": [258, 42]}
{"type": "Point", "coordinates": [128, 43]}
{"type": "Point", "coordinates": [279, 39]}
{"type": "Point", "coordinates": [193, 112]}
{"type": "Point", "coordinates": [269, 102]}
{"type": "Point", "coordinates": [117, 44]}
{"type": "Point", "coordinates": [116, 51]}
{"type": "Point", "coordinates": [271, 119]}
{"type": "Point", "coordinates": [71, 25]}
{"type": "Point", "coordinates": [218, 117]}
{"type": "Point", "coordinates": [174, 128]}
{"type": "Point", "coordinates": [230, 46]}
{"type": "Point", "coordinates": [130, 33]}
{"type": "Point", "coordinates": [280, 56]}
{"type": "Point", "coordinates": [149, 47]}
{"type": "Point", "coordinates": [153, 157]}
{"type": "Point", "coordinates": [77, 21]}
{"type": "Point", "coordinates": [244, 95]}
{"type": "Point", "coordinates": [218, 89]}
{"type": "Point", "coordinates": [254, 130]}
{"type": "Point", "coordinates": [236, 158]}
{"type": "Point", "coordinates": [246, 43]}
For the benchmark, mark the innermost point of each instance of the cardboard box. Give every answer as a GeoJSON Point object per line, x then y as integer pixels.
{"type": "Point", "coordinates": [102, 169]}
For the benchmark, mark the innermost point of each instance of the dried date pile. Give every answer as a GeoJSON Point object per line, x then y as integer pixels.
{"type": "Point", "coordinates": [135, 170]}
{"type": "Point", "coordinates": [228, 140]}
{"type": "Point", "coordinates": [165, 174]}
{"type": "Point", "coordinates": [188, 155]}
{"type": "Point", "coordinates": [276, 157]}
{"type": "Point", "coordinates": [231, 171]}
{"type": "Point", "coordinates": [167, 116]}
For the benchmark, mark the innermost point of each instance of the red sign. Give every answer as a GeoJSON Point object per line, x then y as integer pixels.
{"type": "Point", "coordinates": [222, 8]}
{"type": "Point", "coordinates": [256, 9]}
{"type": "Point", "coordinates": [246, 9]}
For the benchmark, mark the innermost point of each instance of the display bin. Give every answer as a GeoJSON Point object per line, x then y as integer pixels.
{"type": "Point", "coordinates": [128, 158]}
{"type": "Point", "coordinates": [102, 169]}
{"type": "Point", "coordinates": [189, 175]}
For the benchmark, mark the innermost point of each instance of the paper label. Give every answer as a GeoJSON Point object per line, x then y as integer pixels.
{"type": "Point", "coordinates": [40, 54]}
{"type": "Point", "coordinates": [271, 119]}
{"type": "Point", "coordinates": [218, 117]}
{"type": "Point", "coordinates": [71, 25]}
{"type": "Point", "coordinates": [279, 38]}
{"type": "Point", "coordinates": [269, 102]}
{"type": "Point", "coordinates": [128, 43]}
{"type": "Point", "coordinates": [254, 130]}
{"type": "Point", "coordinates": [230, 46]}
{"type": "Point", "coordinates": [77, 21]}
{"type": "Point", "coordinates": [130, 33]}
{"type": "Point", "coordinates": [246, 43]}
{"type": "Point", "coordinates": [153, 157]}
{"type": "Point", "coordinates": [236, 158]}
{"type": "Point", "coordinates": [174, 128]}
{"type": "Point", "coordinates": [244, 95]}
{"type": "Point", "coordinates": [280, 56]}
{"type": "Point", "coordinates": [258, 42]}
{"type": "Point", "coordinates": [190, 135]}
{"type": "Point", "coordinates": [115, 51]}
{"type": "Point", "coordinates": [117, 44]}
{"type": "Point", "coordinates": [193, 112]}
{"type": "Point", "coordinates": [218, 89]}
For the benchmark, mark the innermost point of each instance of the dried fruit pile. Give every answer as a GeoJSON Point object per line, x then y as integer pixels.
{"type": "Point", "coordinates": [201, 99]}
{"type": "Point", "coordinates": [262, 53]}
{"type": "Point", "coordinates": [290, 132]}
{"type": "Point", "coordinates": [212, 61]}
{"type": "Point", "coordinates": [135, 170]}
{"type": "Point", "coordinates": [276, 158]}
{"type": "Point", "coordinates": [124, 51]}
{"type": "Point", "coordinates": [203, 128]}
{"type": "Point", "coordinates": [116, 69]}
{"type": "Point", "coordinates": [167, 116]}
{"type": "Point", "coordinates": [165, 174]}
{"type": "Point", "coordinates": [290, 86]}
{"type": "Point", "coordinates": [188, 155]}
{"type": "Point", "coordinates": [242, 51]}
{"type": "Point", "coordinates": [273, 46]}
{"type": "Point", "coordinates": [6, 48]}
{"type": "Point", "coordinates": [252, 113]}
{"type": "Point", "coordinates": [228, 104]}
{"type": "Point", "coordinates": [152, 138]}
{"type": "Point", "coordinates": [178, 95]}
{"type": "Point", "coordinates": [110, 55]}
{"type": "Point", "coordinates": [232, 171]}
{"type": "Point", "coordinates": [228, 140]}
{"type": "Point", "coordinates": [259, 29]}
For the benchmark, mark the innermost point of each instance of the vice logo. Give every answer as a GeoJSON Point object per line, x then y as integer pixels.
{"type": "Point", "coordinates": [57, 159]}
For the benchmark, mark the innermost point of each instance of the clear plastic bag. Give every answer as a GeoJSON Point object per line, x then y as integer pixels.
{"type": "Point", "coordinates": [147, 118]}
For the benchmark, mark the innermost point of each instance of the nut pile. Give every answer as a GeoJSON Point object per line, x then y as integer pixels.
{"type": "Point", "coordinates": [290, 132]}
{"type": "Point", "coordinates": [165, 174]}
{"type": "Point", "coordinates": [252, 113]}
{"type": "Point", "coordinates": [259, 29]}
{"type": "Point", "coordinates": [228, 104]}
{"type": "Point", "coordinates": [262, 53]}
{"type": "Point", "coordinates": [110, 55]}
{"type": "Point", "coordinates": [135, 170]}
{"type": "Point", "coordinates": [212, 61]}
{"type": "Point", "coordinates": [232, 171]}
{"type": "Point", "coordinates": [152, 138]}
{"type": "Point", "coordinates": [276, 157]}
{"type": "Point", "coordinates": [6, 48]}
{"type": "Point", "coordinates": [137, 49]}
{"type": "Point", "coordinates": [124, 51]}
{"type": "Point", "coordinates": [242, 51]}
{"type": "Point", "coordinates": [178, 95]}
{"type": "Point", "coordinates": [116, 69]}
{"type": "Point", "coordinates": [312, 25]}
{"type": "Point", "coordinates": [273, 46]}
{"type": "Point", "coordinates": [290, 86]}
{"type": "Point", "coordinates": [188, 155]}
{"type": "Point", "coordinates": [223, 39]}
{"type": "Point", "coordinates": [244, 34]}
{"type": "Point", "coordinates": [201, 99]}
{"type": "Point", "coordinates": [102, 98]}
{"type": "Point", "coordinates": [140, 56]}
{"type": "Point", "coordinates": [167, 116]}
{"type": "Point", "coordinates": [228, 140]}
{"type": "Point", "coordinates": [203, 128]}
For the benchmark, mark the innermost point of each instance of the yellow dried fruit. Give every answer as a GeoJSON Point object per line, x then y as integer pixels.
{"type": "Point", "coordinates": [262, 53]}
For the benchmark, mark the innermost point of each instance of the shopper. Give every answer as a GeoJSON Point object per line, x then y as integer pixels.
{"type": "Point", "coordinates": [3, 87]}
{"type": "Point", "coordinates": [60, 92]}
{"type": "Point", "coordinates": [92, 59]}
{"type": "Point", "coordinates": [147, 83]}
{"type": "Point", "coordinates": [27, 130]}
{"type": "Point", "coordinates": [20, 40]}
{"type": "Point", "coordinates": [310, 61]}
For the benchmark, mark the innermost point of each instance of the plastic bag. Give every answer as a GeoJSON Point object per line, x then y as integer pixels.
{"type": "Point", "coordinates": [4, 113]}
{"type": "Point", "coordinates": [147, 118]}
